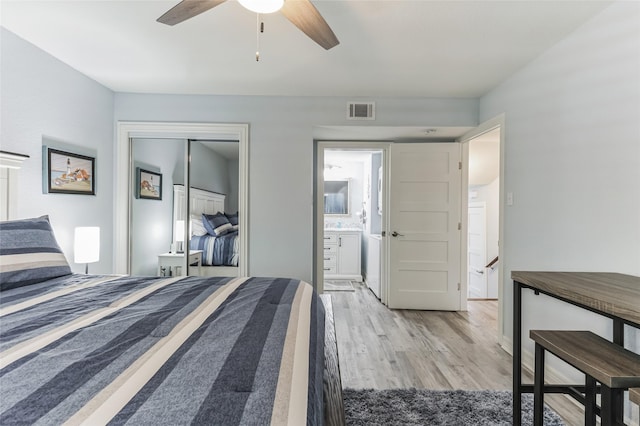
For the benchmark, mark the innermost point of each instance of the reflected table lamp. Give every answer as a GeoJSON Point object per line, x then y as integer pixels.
{"type": "Point", "coordinates": [179, 236]}
{"type": "Point", "coordinates": [86, 245]}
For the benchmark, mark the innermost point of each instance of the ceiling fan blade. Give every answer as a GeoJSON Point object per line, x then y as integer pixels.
{"type": "Point", "coordinates": [304, 15]}
{"type": "Point", "coordinates": [187, 9]}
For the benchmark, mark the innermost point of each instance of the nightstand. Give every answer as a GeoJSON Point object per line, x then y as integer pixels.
{"type": "Point", "coordinates": [167, 261]}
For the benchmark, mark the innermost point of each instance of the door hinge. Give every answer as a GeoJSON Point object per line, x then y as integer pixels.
{"type": "Point", "coordinates": [459, 165]}
{"type": "Point", "coordinates": [458, 286]}
{"type": "Point", "coordinates": [459, 226]}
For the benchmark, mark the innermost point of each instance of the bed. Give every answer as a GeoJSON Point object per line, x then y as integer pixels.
{"type": "Point", "coordinates": [97, 349]}
{"type": "Point", "coordinates": [221, 251]}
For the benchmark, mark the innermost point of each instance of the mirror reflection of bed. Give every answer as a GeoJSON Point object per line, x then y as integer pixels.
{"type": "Point", "coordinates": [212, 230]}
{"type": "Point", "coordinates": [214, 179]}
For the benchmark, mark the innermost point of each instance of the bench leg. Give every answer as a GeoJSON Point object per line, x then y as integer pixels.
{"type": "Point", "coordinates": [607, 413]}
{"type": "Point", "coordinates": [538, 386]}
{"type": "Point", "coordinates": [590, 401]}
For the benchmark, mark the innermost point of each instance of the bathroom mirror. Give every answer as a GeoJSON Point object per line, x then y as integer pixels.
{"type": "Point", "coordinates": [336, 197]}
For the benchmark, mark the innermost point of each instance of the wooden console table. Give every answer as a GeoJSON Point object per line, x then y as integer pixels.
{"type": "Point", "coordinates": [615, 296]}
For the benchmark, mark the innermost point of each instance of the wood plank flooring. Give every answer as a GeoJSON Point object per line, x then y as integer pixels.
{"type": "Point", "coordinates": [381, 348]}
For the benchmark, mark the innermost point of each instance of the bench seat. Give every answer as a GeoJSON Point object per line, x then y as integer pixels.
{"type": "Point", "coordinates": [614, 367]}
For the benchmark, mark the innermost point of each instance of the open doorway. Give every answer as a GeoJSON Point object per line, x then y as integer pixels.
{"type": "Point", "coordinates": [490, 192]}
{"type": "Point", "coordinates": [350, 220]}
{"type": "Point", "coordinates": [483, 216]}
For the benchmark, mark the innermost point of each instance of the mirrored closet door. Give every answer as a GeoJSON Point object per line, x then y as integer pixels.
{"type": "Point", "coordinates": [172, 226]}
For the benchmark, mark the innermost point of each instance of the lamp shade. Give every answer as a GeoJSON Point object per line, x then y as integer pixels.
{"type": "Point", "coordinates": [86, 244]}
{"type": "Point", "coordinates": [262, 6]}
{"type": "Point", "coordinates": [180, 230]}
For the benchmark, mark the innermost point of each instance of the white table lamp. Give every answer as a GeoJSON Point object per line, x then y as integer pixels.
{"type": "Point", "coordinates": [86, 245]}
{"type": "Point", "coordinates": [179, 235]}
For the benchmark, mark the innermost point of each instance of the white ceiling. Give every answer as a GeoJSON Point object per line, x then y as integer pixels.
{"type": "Point", "coordinates": [416, 48]}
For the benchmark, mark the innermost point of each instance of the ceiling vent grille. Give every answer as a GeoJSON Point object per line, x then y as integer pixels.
{"type": "Point", "coordinates": [361, 111]}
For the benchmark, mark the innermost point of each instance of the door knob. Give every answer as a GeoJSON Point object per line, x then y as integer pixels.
{"type": "Point", "coordinates": [395, 234]}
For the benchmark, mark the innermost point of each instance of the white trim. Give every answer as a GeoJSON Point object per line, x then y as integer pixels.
{"type": "Point", "coordinates": [464, 226]}
{"type": "Point", "coordinates": [487, 126]}
{"type": "Point", "coordinates": [11, 161]}
{"type": "Point", "coordinates": [124, 173]}
{"type": "Point", "coordinates": [9, 202]}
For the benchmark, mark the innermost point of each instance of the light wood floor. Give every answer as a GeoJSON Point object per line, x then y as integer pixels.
{"type": "Point", "coordinates": [381, 348]}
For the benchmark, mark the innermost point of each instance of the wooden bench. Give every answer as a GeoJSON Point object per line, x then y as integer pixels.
{"type": "Point", "coordinates": [634, 396]}
{"type": "Point", "coordinates": [615, 368]}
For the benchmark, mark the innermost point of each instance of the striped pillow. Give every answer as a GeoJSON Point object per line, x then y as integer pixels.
{"type": "Point", "coordinates": [29, 253]}
{"type": "Point", "coordinates": [233, 220]}
{"type": "Point", "coordinates": [216, 224]}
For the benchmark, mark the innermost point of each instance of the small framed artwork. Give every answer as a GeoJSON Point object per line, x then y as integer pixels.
{"type": "Point", "coordinates": [149, 185]}
{"type": "Point", "coordinates": [69, 173]}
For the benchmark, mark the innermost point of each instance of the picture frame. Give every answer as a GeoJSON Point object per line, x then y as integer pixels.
{"type": "Point", "coordinates": [149, 184]}
{"type": "Point", "coordinates": [70, 173]}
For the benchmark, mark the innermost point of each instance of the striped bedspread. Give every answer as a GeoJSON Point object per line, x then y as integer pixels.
{"type": "Point", "coordinates": [217, 251]}
{"type": "Point", "coordinates": [94, 350]}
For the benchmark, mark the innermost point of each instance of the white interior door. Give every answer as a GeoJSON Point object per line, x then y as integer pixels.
{"type": "Point", "coordinates": [424, 223]}
{"type": "Point", "coordinates": [477, 251]}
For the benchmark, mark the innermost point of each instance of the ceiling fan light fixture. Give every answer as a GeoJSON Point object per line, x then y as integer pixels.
{"type": "Point", "coordinates": [262, 6]}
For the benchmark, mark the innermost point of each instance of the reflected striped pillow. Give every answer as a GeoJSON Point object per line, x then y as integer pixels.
{"type": "Point", "coordinates": [216, 224]}
{"type": "Point", "coordinates": [233, 220]}
{"type": "Point", "coordinates": [29, 253]}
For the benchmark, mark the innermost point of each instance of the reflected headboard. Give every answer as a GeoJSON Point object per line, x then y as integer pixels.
{"type": "Point", "coordinates": [201, 201]}
{"type": "Point", "coordinates": [10, 163]}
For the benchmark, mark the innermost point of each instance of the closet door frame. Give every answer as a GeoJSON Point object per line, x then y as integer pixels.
{"type": "Point", "coordinates": [126, 131]}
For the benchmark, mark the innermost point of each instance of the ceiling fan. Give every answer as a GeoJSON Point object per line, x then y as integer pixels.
{"type": "Point", "coordinates": [301, 13]}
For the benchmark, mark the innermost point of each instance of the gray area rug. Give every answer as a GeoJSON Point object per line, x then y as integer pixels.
{"type": "Point", "coordinates": [430, 407]}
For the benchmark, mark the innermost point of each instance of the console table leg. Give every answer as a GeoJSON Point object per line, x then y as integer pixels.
{"type": "Point", "coordinates": [517, 354]}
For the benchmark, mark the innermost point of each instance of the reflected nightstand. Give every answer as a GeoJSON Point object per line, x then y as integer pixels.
{"type": "Point", "coordinates": [166, 261]}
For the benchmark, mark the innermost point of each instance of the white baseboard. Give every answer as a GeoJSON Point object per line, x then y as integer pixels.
{"type": "Point", "coordinates": [554, 376]}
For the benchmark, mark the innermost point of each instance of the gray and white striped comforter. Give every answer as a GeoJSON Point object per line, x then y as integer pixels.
{"type": "Point", "coordinates": [161, 351]}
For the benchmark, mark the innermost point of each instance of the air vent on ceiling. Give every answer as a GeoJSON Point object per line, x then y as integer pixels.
{"type": "Point", "coordinates": [361, 111]}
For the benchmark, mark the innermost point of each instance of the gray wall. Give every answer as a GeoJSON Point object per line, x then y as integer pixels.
{"type": "Point", "coordinates": [44, 98]}
{"type": "Point", "coordinates": [151, 225]}
{"type": "Point", "coordinates": [231, 202]}
{"type": "Point", "coordinates": [573, 161]}
{"type": "Point", "coordinates": [281, 157]}
{"type": "Point", "coordinates": [209, 170]}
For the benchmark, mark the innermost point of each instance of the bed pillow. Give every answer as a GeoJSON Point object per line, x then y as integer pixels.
{"type": "Point", "coordinates": [216, 224]}
{"type": "Point", "coordinates": [29, 253]}
{"type": "Point", "coordinates": [197, 226]}
{"type": "Point", "coordinates": [233, 220]}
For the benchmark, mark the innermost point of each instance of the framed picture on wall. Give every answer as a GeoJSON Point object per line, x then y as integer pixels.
{"type": "Point", "coordinates": [149, 184]}
{"type": "Point", "coordinates": [69, 173]}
